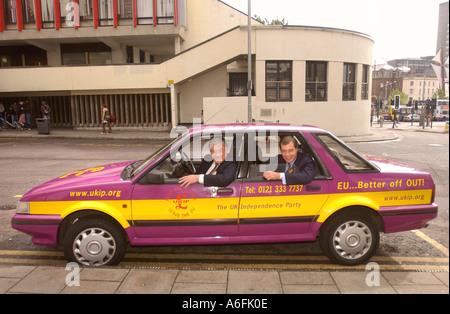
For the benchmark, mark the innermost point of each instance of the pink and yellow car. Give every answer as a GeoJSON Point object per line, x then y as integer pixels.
{"type": "Point", "coordinates": [95, 213]}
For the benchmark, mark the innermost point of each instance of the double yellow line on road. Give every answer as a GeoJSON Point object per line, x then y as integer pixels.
{"type": "Point", "coordinates": [212, 261]}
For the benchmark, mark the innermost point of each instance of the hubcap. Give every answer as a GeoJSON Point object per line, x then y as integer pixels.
{"type": "Point", "coordinates": [352, 240]}
{"type": "Point", "coordinates": [94, 247]}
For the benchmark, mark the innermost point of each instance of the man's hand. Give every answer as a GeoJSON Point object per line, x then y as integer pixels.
{"type": "Point", "coordinates": [270, 175]}
{"type": "Point", "coordinates": [188, 180]}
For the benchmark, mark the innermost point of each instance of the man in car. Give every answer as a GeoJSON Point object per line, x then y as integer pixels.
{"type": "Point", "coordinates": [294, 167]}
{"type": "Point", "coordinates": [217, 172]}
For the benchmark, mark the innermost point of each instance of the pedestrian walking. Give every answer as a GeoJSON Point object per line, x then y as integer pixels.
{"type": "Point", "coordinates": [394, 124]}
{"type": "Point", "coordinates": [27, 112]}
{"type": "Point", "coordinates": [381, 121]}
{"type": "Point", "coordinates": [106, 119]}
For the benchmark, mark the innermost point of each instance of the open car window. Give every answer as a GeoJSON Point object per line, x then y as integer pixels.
{"type": "Point", "coordinates": [187, 158]}
{"type": "Point", "coordinates": [264, 157]}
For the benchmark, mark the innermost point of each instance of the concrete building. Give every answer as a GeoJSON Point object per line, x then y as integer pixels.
{"type": "Point", "coordinates": [159, 63]}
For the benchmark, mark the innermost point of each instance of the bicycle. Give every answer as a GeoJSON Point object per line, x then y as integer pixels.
{"type": "Point", "coordinates": [5, 124]}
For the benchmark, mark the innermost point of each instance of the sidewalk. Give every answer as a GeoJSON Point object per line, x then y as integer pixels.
{"type": "Point", "coordinates": [52, 280]}
{"type": "Point", "coordinates": [376, 133]}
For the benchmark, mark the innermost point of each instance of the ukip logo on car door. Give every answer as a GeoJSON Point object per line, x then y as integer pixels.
{"type": "Point", "coordinates": [181, 202]}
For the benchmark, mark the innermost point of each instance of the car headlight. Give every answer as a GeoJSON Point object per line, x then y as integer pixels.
{"type": "Point", "coordinates": [23, 207]}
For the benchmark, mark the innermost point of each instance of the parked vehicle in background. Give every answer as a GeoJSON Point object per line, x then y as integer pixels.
{"type": "Point", "coordinates": [441, 113]}
{"type": "Point", "coordinates": [412, 117]}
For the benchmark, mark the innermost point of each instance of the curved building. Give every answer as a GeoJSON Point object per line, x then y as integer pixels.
{"type": "Point", "coordinates": [159, 63]}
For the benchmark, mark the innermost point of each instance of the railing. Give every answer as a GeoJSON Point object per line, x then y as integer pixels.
{"type": "Point", "coordinates": [131, 110]}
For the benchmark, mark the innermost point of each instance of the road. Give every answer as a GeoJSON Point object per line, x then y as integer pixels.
{"type": "Point", "coordinates": [27, 163]}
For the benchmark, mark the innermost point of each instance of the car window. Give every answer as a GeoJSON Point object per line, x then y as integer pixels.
{"type": "Point", "coordinates": [192, 152]}
{"type": "Point", "coordinates": [264, 150]}
{"type": "Point", "coordinates": [345, 156]}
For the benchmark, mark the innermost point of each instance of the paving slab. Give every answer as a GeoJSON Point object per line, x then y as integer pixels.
{"type": "Point", "coordinates": [144, 281]}
{"type": "Point", "coordinates": [355, 283]}
{"type": "Point", "coordinates": [254, 282]}
{"type": "Point", "coordinates": [43, 280]}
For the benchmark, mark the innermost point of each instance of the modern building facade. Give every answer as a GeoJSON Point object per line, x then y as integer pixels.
{"type": "Point", "coordinates": [443, 36]}
{"type": "Point", "coordinates": [159, 63]}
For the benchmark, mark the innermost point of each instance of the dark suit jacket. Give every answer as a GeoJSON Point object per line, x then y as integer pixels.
{"type": "Point", "coordinates": [226, 173]}
{"type": "Point", "coordinates": [303, 171]}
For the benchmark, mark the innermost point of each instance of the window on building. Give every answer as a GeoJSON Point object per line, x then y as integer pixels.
{"type": "Point", "coordinates": [28, 11]}
{"type": "Point", "coordinates": [130, 54]}
{"type": "Point", "coordinates": [278, 81]}
{"type": "Point", "coordinates": [365, 82]}
{"type": "Point", "coordinates": [48, 13]}
{"type": "Point", "coordinates": [166, 11]}
{"type": "Point", "coordinates": [411, 83]}
{"type": "Point", "coordinates": [144, 11]}
{"type": "Point", "coordinates": [87, 53]}
{"type": "Point", "coordinates": [349, 90]}
{"type": "Point", "coordinates": [316, 88]}
{"type": "Point", "coordinates": [238, 85]}
{"type": "Point", "coordinates": [125, 10]}
{"type": "Point", "coordinates": [85, 9]}
{"type": "Point", "coordinates": [10, 11]}
{"type": "Point", "coordinates": [66, 10]}
{"type": "Point", "coordinates": [105, 12]}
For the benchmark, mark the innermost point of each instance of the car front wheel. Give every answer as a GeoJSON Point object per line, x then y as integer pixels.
{"type": "Point", "coordinates": [349, 239]}
{"type": "Point", "coordinates": [94, 242]}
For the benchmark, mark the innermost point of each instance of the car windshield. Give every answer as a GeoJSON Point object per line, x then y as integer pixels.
{"type": "Point", "coordinates": [138, 166]}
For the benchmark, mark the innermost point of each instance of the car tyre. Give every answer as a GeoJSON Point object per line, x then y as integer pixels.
{"type": "Point", "coordinates": [94, 242]}
{"type": "Point", "coordinates": [349, 238]}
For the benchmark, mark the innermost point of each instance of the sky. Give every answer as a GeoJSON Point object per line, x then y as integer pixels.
{"type": "Point", "coordinates": [400, 28]}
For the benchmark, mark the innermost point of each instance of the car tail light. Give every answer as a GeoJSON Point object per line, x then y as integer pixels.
{"type": "Point", "coordinates": [433, 193]}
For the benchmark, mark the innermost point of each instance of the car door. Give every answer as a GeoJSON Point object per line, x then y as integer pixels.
{"type": "Point", "coordinates": [272, 208]}
{"type": "Point", "coordinates": [165, 210]}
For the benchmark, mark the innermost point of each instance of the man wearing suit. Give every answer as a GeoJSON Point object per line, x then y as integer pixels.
{"type": "Point", "coordinates": [217, 172]}
{"type": "Point", "coordinates": [293, 167]}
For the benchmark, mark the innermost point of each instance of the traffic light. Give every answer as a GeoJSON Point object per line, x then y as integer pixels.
{"type": "Point", "coordinates": [434, 103]}
{"type": "Point", "coordinates": [397, 102]}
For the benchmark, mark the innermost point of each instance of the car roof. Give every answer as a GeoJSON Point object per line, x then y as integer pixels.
{"type": "Point", "coordinates": [253, 127]}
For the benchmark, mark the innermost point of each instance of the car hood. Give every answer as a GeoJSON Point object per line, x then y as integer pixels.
{"type": "Point", "coordinates": [80, 179]}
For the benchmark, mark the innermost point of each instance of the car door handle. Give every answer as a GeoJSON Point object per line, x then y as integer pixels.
{"type": "Point", "coordinates": [313, 188]}
{"type": "Point", "coordinates": [215, 191]}
{"type": "Point", "coordinates": [224, 191]}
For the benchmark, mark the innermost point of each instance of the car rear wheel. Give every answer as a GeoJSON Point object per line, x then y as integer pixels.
{"type": "Point", "coordinates": [94, 242]}
{"type": "Point", "coordinates": [349, 238]}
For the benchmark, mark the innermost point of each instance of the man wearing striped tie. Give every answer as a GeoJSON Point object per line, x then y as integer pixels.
{"type": "Point", "coordinates": [217, 172]}
{"type": "Point", "coordinates": [294, 167]}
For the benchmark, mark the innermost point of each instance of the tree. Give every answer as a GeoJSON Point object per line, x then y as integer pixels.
{"type": "Point", "coordinates": [273, 22]}
{"type": "Point", "coordinates": [439, 94]}
{"type": "Point", "coordinates": [403, 97]}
